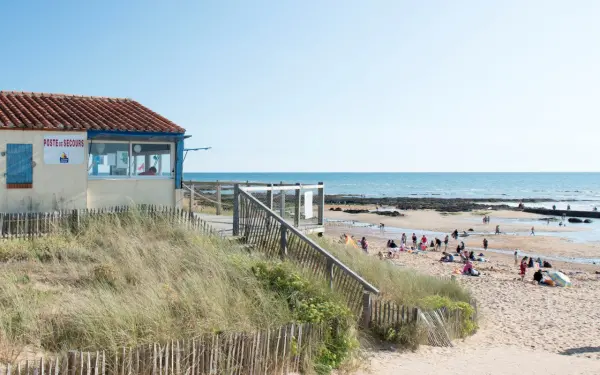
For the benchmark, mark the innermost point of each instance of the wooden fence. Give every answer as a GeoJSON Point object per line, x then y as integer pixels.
{"type": "Point", "coordinates": [31, 225]}
{"type": "Point", "coordinates": [277, 351]}
{"type": "Point", "coordinates": [261, 228]}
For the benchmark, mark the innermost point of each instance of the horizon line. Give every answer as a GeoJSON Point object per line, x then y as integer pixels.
{"type": "Point", "coordinates": [389, 172]}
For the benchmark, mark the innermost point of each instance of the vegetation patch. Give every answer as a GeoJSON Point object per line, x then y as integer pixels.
{"type": "Point", "coordinates": [310, 302]}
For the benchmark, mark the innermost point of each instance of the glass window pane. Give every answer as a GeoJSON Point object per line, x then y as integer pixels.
{"type": "Point", "coordinates": [151, 159]}
{"type": "Point", "coordinates": [108, 159]}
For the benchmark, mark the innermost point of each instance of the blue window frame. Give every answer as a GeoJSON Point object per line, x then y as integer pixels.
{"type": "Point", "coordinates": [19, 168]}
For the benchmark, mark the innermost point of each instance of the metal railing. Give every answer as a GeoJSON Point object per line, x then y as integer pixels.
{"type": "Point", "coordinates": [262, 228]}
{"type": "Point", "coordinates": [288, 200]}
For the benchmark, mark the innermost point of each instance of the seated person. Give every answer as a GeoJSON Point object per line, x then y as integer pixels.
{"type": "Point", "coordinates": [469, 270]}
{"type": "Point", "coordinates": [150, 172]}
{"type": "Point", "coordinates": [393, 245]}
{"type": "Point", "coordinates": [472, 255]}
{"type": "Point", "coordinates": [538, 277]}
{"type": "Point", "coordinates": [446, 258]}
{"type": "Point", "coordinates": [547, 264]}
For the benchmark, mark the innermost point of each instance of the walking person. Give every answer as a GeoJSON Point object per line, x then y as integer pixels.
{"type": "Point", "coordinates": [485, 244]}
{"type": "Point", "coordinates": [497, 229]}
{"type": "Point", "coordinates": [446, 243]}
{"type": "Point", "coordinates": [532, 231]}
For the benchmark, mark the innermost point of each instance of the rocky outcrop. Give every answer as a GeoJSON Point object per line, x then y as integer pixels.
{"type": "Point", "coordinates": [575, 220]}
{"type": "Point", "coordinates": [389, 213]}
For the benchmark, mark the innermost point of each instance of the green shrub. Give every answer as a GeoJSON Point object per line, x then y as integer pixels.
{"type": "Point", "coordinates": [310, 302]}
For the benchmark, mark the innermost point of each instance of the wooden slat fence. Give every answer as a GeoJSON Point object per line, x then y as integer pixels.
{"type": "Point", "coordinates": [283, 350]}
{"type": "Point", "coordinates": [441, 326]}
{"type": "Point", "coordinates": [31, 225]}
{"type": "Point", "coordinates": [264, 230]}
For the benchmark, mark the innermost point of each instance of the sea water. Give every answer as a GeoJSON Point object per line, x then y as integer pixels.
{"type": "Point", "coordinates": [581, 190]}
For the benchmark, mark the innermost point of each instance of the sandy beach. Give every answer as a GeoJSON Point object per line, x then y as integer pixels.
{"type": "Point", "coordinates": [524, 328]}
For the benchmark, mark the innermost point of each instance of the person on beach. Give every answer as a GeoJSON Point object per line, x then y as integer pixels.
{"type": "Point", "coordinates": [364, 245]}
{"type": "Point", "coordinates": [497, 229]}
{"type": "Point", "coordinates": [414, 240]}
{"type": "Point", "coordinates": [538, 277]}
{"type": "Point", "coordinates": [554, 207]}
{"type": "Point", "coordinates": [446, 240]}
{"type": "Point", "coordinates": [393, 245]}
{"type": "Point", "coordinates": [530, 263]}
{"type": "Point", "coordinates": [485, 244]}
{"type": "Point", "coordinates": [516, 257]}
{"type": "Point", "coordinates": [532, 231]}
{"type": "Point", "coordinates": [568, 207]}
{"type": "Point", "coordinates": [424, 240]}
{"type": "Point", "coordinates": [403, 239]}
{"type": "Point", "coordinates": [438, 244]}
{"type": "Point", "coordinates": [523, 268]}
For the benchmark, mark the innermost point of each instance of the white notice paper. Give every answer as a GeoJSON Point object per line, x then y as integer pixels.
{"type": "Point", "coordinates": [308, 205]}
{"type": "Point", "coordinates": [122, 159]}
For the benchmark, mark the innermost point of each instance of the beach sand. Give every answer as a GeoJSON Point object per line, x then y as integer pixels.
{"type": "Point", "coordinates": [524, 328]}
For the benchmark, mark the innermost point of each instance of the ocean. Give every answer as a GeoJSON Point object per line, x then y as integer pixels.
{"type": "Point", "coordinates": [580, 190]}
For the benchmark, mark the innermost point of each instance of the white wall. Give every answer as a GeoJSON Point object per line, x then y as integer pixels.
{"type": "Point", "coordinates": [116, 192]}
{"type": "Point", "coordinates": [55, 187]}
{"type": "Point", "coordinates": [66, 186]}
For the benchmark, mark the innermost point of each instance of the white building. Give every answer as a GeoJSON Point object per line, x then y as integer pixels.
{"type": "Point", "coordinates": [69, 152]}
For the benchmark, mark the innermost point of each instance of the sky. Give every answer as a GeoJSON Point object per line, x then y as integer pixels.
{"type": "Point", "coordinates": [298, 86]}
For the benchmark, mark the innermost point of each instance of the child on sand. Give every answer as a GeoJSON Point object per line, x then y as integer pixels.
{"type": "Point", "coordinates": [523, 267]}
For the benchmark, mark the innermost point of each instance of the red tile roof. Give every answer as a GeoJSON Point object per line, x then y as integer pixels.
{"type": "Point", "coordinates": [37, 111]}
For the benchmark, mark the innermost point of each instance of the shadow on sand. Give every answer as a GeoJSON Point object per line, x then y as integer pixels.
{"type": "Point", "coordinates": [582, 350]}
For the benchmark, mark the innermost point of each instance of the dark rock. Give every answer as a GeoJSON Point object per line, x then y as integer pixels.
{"type": "Point", "coordinates": [357, 211]}
{"type": "Point", "coordinates": [471, 230]}
{"type": "Point", "coordinates": [389, 213]}
{"type": "Point", "coordinates": [338, 209]}
{"type": "Point", "coordinates": [588, 221]}
{"type": "Point", "coordinates": [575, 220]}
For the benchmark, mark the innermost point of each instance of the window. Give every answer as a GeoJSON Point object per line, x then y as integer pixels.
{"type": "Point", "coordinates": [19, 166]}
{"type": "Point", "coordinates": [109, 159]}
{"type": "Point", "coordinates": [126, 159]}
{"type": "Point", "coordinates": [151, 159]}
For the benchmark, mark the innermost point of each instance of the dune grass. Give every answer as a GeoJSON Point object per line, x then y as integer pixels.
{"type": "Point", "coordinates": [401, 285]}
{"type": "Point", "coordinates": [125, 282]}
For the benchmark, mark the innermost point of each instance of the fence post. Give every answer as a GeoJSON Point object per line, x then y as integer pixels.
{"type": "Point", "coordinates": [297, 203]}
{"type": "Point", "coordinates": [75, 221]}
{"type": "Point", "coordinates": [219, 207]}
{"type": "Point", "coordinates": [283, 243]}
{"type": "Point", "coordinates": [192, 193]}
{"type": "Point", "coordinates": [321, 204]}
{"type": "Point", "coordinates": [270, 197]}
{"type": "Point", "coordinates": [366, 313]}
{"type": "Point", "coordinates": [282, 204]}
{"type": "Point", "coordinates": [330, 273]}
{"type": "Point", "coordinates": [71, 358]}
{"type": "Point", "coordinates": [236, 209]}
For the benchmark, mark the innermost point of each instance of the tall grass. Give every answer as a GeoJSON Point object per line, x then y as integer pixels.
{"type": "Point", "coordinates": [403, 286]}
{"type": "Point", "coordinates": [127, 281]}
